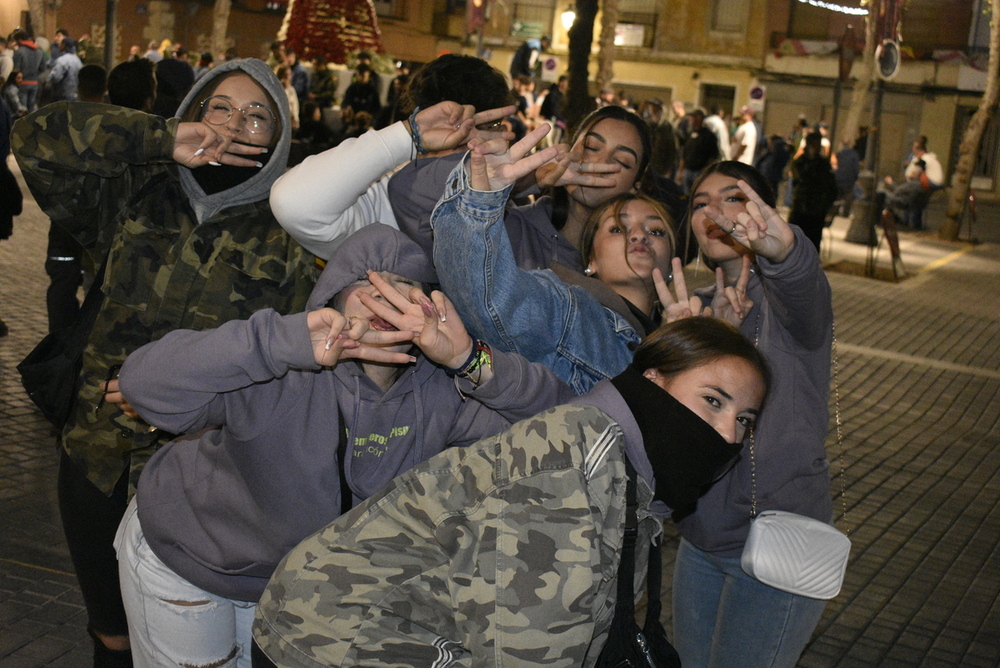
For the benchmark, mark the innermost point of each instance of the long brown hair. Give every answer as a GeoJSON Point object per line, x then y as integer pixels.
{"type": "Point", "coordinates": [560, 198]}
{"type": "Point", "coordinates": [686, 344]}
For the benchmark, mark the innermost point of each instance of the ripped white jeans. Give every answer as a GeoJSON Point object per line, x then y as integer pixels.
{"type": "Point", "coordinates": [165, 631]}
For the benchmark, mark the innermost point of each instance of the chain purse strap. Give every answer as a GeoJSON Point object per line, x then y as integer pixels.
{"type": "Point", "coordinates": [837, 420]}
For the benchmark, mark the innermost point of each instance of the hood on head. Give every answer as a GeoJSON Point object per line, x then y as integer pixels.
{"type": "Point", "coordinates": [258, 187]}
{"type": "Point", "coordinates": [379, 248]}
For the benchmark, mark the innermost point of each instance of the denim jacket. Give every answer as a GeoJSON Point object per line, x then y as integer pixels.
{"type": "Point", "coordinates": [528, 312]}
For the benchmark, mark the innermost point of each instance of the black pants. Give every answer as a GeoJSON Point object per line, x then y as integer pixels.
{"type": "Point", "coordinates": [90, 520]}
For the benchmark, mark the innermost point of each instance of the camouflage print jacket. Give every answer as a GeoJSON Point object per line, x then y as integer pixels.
{"type": "Point", "coordinates": [504, 553]}
{"type": "Point", "coordinates": [106, 174]}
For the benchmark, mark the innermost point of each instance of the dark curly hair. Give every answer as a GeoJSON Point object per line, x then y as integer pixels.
{"type": "Point", "coordinates": [462, 79]}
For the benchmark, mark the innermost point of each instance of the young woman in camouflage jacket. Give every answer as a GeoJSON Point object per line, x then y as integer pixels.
{"type": "Point", "coordinates": [179, 208]}
{"type": "Point", "coordinates": [507, 552]}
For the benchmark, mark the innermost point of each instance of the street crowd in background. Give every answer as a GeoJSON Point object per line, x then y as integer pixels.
{"type": "Point", "coordinates": [399, 359]}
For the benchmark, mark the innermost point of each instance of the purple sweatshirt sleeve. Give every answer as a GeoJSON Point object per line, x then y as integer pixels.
{"type": "Point", "coordinates": [179, 382]}
{"type": "Point", "coordinates": [519, 388]}
{"type": "Point", "coordinates": [799, 294]}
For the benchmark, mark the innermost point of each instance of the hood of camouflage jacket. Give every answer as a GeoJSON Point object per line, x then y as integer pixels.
{"type": "Point", "coordinates": [257, 187]}
{"type": "Point", "coordinates": [379, 248]}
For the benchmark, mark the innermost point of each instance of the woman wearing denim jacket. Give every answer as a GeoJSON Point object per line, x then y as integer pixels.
{"type": "Point", "coordinates": [584, 328]}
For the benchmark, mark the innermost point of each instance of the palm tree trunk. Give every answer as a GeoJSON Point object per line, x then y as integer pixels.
{"type": "Point", "coordinates": [606, 55]}
{"type": "Point", "coordinates": [220, 26]}
{"type": "Point", "coordinates": [968, 150]}
{"type": "Point", "coordinates": [861, 94]}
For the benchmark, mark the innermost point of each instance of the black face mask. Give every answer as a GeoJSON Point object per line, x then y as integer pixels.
{"type": "Point", "coordinates": [686, 453]}
{"type": "Point", "coordinates": [215, 179]}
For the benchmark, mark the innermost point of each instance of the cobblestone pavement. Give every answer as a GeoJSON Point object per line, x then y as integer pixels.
{"type": "Point", "coordinates": [918, 384]}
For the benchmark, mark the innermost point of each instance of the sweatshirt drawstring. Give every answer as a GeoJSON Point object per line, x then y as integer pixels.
{"type": "Point", "coordinates": [419, 416]}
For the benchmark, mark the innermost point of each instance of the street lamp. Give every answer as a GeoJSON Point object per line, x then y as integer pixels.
{"type": "Point", "coordinates": [568, 17]}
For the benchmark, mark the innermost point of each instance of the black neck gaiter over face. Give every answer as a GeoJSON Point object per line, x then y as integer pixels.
{"type": "Point", "coordinates": [686, 453]}
{"type": "Point", "coordinates": [215, 179]}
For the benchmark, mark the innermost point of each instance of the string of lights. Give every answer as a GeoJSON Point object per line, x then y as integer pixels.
{"type": "Point", "coordinates": [853, 11]}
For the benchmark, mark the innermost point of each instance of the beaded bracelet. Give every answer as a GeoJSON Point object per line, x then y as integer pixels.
{"type": "Point", "coordinates": [415, 133]}
{"type": "Point", "coordinates": [484, 358]}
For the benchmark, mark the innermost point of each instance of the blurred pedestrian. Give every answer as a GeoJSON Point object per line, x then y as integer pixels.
{"type": "Point", "coordinates": [63, 79]}
{"type": "Point", "coordinates": [323, 85]}
{"type": "Point", "coordinates": [153, 53]}
{"type": "Point", "coordinates": [814, 189]}
{"type": "Point", "coordinates": [772, 163]}
{"type": "Point", "coordinates": [362, 95]}
{"type": "Point", "coordinates": [10, 191]}
{"type": "Point", "coordinates": [300, 78]}
{"type": "Point", "coordinates": [848, 170]}
{"type": "Point", "coordinates": [12, 94]}
{"type": "Point", "coordinates": [93, 83]}
{"type": "Point", "coordinates": [525, 62]}
{"type": "Point", "coordinates": [6, 61]}
{"type": "Point", "coordinates": [665, 156]}
{"type": "Point", "coordinates": [29, 60]}
{"type": "Point", "coordinates": [284, 74]}
{"type": "Point", "coordinates": [551, 110]}
{"type": "Point", "coordinates": [204, 65]}
{"type": "Point", "coordinates": [716, 122]}
{"type": "Point", "coordinates": [700, 150]}
{"type": "Point", "coordinates": [365, 58]}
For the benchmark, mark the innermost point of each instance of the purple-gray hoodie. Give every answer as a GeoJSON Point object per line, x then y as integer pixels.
{"type": "Point", "coordinates": [222, 506]}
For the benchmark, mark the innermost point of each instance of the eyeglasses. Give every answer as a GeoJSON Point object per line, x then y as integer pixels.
{"type": "Point", "coordinates": [257, 118]}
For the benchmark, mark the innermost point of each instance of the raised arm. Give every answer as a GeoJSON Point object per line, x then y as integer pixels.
{"type": "Point", "coordinates": [327, 197]}
{"type": "Point", "coordinates": [181, 382]}
{"type": "Point", "coordinates": [796, 287]}
{"type": "Point", "coordinates": [83, 161]}
{"type": "Point", "coordinates": [529, 312]}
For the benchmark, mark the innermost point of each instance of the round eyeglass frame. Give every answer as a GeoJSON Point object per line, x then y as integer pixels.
{"type": "Point", "coordinates": [253, 125]}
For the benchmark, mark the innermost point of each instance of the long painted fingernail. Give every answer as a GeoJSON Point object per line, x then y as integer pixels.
{"type": "Point", "coordinates": [214, 163]}
{"type": "Point", "coordinates": [259, 164]}
{"type": "Point", "coordinates": [428, 309]}
{"type": "Point", "coordinates": [329, 342]}
{"type": "Point", "coordinates": [263, 149]}
{"type": "Point", "coordinates": [199, 151]}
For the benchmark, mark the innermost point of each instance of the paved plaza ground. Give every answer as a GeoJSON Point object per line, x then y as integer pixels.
{"type": "Point", "coordinates": [919, 395]}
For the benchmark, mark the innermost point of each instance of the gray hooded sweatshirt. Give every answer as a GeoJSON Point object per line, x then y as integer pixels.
{"type": "Point", "coordinates": [258, 186]}
{"type": "Point", "coordinates": [221, 507]}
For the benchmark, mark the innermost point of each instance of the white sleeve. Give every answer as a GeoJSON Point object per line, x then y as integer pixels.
{"type": "Point", "coordinates": [327, 197]}
{"type": "Point", "coordinates": [935, 173]}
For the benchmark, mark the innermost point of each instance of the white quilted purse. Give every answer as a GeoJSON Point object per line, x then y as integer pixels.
{"type": "Point", "coordinates": [792, 552]}
{"type": "Point", "coordinates": [797, 554]}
